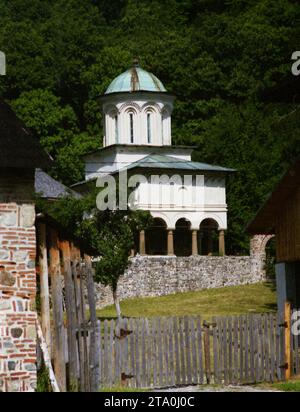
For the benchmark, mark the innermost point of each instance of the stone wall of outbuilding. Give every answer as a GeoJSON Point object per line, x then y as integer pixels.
{"type": "Point", "coordinates": [17, 298]}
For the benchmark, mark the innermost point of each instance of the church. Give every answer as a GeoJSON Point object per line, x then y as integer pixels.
{"type": "Point", "coordinates": [186, 199]}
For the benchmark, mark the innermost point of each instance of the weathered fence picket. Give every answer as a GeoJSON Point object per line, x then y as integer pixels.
{"type": "Point", "coordinates": [157, 352]}
{"type": "Point", "coordinates": [165, 352]}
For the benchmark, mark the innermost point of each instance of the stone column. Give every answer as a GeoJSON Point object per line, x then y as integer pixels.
{"type": "Point", "coordinates": [170, 243]}
{"type": "Point", "coordinates": [194, 242]}
{"type": "Point", "coordinates": [199, 243]}
{"type": "Point", "coordinates": [142, 243]}
{"type": "Point", "coordinates": [221, 242]}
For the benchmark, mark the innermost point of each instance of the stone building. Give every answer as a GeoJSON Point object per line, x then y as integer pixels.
{"type": "Point", "coordinates": [186, 199]}
{"type": "Point", "coordinates": [20, 155]}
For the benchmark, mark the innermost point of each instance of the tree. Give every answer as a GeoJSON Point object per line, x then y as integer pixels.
{"type": "Point", "coordinates": [107, 235]}
{"type": "Point", "coordinates": [56, 126]}
{"type": "Point", "coordinates": [116, 240]}
{"type": "Point", "coordinates": [227, 62]}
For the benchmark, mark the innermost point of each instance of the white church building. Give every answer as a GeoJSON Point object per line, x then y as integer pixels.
{"type": "Point", "coordinates": [186, 199]}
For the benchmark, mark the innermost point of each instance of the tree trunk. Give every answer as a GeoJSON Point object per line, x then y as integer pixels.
{"type": "Point", "coordinates": [117, 304]}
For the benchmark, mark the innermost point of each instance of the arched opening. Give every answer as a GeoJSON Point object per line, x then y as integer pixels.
{"type": "Point", "coordinates": [156, 238]}
{"type": "Point", "coordinates": [131, 127]}
{"type": "Point", "coordinates": [183, 238]}
{"type": "Point", "coordinates": [116, 121]}
{"type": "Point", "coordinates": [149, 127]}
{"type": "Point", "coordinates": [111, 126]}
{"type": "Point", "coordinates": [263, 247]}
{"type": "Point", "coordinates": [208, 237]}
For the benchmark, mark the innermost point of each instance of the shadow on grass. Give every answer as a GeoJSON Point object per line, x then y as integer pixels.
{"type": "Point", "coordinates": [272, 307]}
{"type": "Point", "coordinates": [271, 285]}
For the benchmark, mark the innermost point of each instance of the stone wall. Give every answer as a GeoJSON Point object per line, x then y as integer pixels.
{"type": "Point", "coordinates": [17, 295]}
{"type": "Point", "coordinates": [157, 276]}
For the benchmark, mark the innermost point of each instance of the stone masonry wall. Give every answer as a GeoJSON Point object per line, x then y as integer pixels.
{"type": "Point", "coordinates": [17, 294]}
{"type": "Point", "coordinates": [157, 276]}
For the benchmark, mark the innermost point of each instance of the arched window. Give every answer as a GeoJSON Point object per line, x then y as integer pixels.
{"type": "Point", "coordinates": [149, 131]}
{"type": "Point", "coordinates": [116, 129]}
{"type": "Point", "coordinates": [131, 127]}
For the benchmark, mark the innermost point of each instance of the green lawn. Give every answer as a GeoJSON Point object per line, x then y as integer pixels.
{"type": "Point", "coordinates": [233, 300]}
{"type": "Point", "coordinates": [292, 385]}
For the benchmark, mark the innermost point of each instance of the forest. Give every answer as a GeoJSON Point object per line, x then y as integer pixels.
{"type": "Point", "coordinates": [228, 63]}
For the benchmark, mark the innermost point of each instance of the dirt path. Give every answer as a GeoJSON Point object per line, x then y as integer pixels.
{"type": "Point", "coordinates": [230, 388]}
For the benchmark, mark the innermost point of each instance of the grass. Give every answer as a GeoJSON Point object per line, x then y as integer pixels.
{"type": "Point", "coordinates": [234, 300]}
{"type": "Point", "coordinates": [43, 381]}
{"type": "Point", "coordinates": [292, 385]}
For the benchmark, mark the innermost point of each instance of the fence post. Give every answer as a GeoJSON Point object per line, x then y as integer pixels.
{"type": "Point", "coordinates": [94, 355]}
{"type": "Point", "coordinates": [58, 318]}
{"type": "Point", "coordinates": [44, 283]}
{"type": "Point", "coordinates": [71, 314]}
{"type": "Point", "coordinates": [206, 345]}
{"type": "Point", "coordinates": [287, 340]}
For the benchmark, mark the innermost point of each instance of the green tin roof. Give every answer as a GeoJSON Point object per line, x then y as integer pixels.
{"type": "Point", "coordinates": [134, 80]}
{"type": "Point", "coordinates": [155, 161]}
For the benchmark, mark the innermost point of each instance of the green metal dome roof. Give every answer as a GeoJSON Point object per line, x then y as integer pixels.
{"type": "Point", "coordinates": [135, 79]}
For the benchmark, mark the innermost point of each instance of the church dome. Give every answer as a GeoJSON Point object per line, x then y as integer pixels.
{"type": "Point", "coordinates": [134, 80]}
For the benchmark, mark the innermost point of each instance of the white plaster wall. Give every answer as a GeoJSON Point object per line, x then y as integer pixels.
{"type": "Point", "coordinates": [178, 191]}
{"type": "Point", "coordinates": [139, 104]}
{"type": "Point", "coordinates": [215, 192]}
{"type": "Point", "coordinates": [122, 157]}
{"type": "Point", "coordinates": [98, 164]}
{"type": "Point", "coordinates": [172, 203]}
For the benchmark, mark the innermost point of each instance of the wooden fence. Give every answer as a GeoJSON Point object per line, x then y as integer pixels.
{"type": "Point", "coordinates": [295, 351]}
{"type": "Point", "coordinates": [248, 349]}
{"type": "Point", "coordinates": [67, 294]}
{"type": "Point", "coordinates": [88, 353]}
{"type": "Point", "coordinates": [166, 352]}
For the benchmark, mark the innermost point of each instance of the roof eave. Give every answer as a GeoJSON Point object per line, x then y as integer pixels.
{"type": "Point", "coordinates": [125, 93]}
{"type": "Point", "coordinates": [153, 166]}
{"type": "Point", "coordinates": [113, 146]}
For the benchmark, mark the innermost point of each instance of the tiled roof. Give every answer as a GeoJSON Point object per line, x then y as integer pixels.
{"type": "Point", "coordinates": [156, 161]}
{"type": "Point", "coordinates": [49, 188]}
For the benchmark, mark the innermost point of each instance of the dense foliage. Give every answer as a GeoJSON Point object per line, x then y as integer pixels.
{"type": "Point", "coordinates": [228, 62]}
{"type": "Point", "coordinates": [107, 235]}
